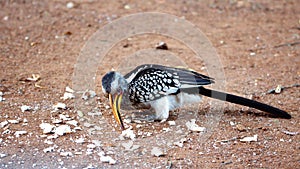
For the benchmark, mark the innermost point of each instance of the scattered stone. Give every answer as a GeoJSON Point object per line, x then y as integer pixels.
{"type": "Point", "coordinates": [156, 151]}
{"type": "Point", "coordinates": [25, 108]}
{"type": "Point", "coordinates": [162, 45]}
{"type": "Point", "coordinates": [249, 139]}
{"type": "Point", "coordinates": [192, 126]}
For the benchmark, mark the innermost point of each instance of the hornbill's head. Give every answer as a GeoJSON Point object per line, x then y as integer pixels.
{"type": "Point", "coordinates": [113, 86]}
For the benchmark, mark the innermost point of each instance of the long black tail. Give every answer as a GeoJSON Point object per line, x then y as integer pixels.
{"type": "Point", "coordinates": [244, 101]}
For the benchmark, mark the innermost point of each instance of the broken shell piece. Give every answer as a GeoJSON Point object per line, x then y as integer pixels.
{"type": "Point", "coordinates": [107, 159]}
{"type": "Point", "coordinates": [278, 89]}
{"type": "Point", "coordinates": [64, 117]}
{"type": "Point", "coordinates": [162, 45]}
{"type": "Point", "coordinates": [56, 121]}
{"type": "Point", "coordinates": [290, 132]}
{"type": "Point", "coordinates": [128, 133]}
{"type": "Point", "coordinates": [68, 89]}
{"type": "Point", "coordinates": [129, 146]}
{"type": "Point", "coordinates": [46, 127]}
{"type": "Point", "coordinates": [18, 133]}
{"type": "Point", "coordinates": [59, 106]}
{"type": "Point", "coordinates": [3, 124]}
{"type": "Point", "coordinates": [49, 149]}
{"type": "Point", "coordinates": [2, 155]}
{"type": "Point", "coordinates": [240, 127]}
{"type": "Point", "coordinates": [172, 123]}
{"type": "Point", "coordinates": [79, 140]}
{"type": "Point", "coordinates": [180, 142]}
{"type": "Point", "coordinates": [91, 146]}
{"type": "Point", "coordinates": [88, 94]}
{"type": "Point", "coordinates": [61, 130]}
{"type": "Point", "coordinates": [156, 151]}
{"type": "Point", "coordinates": [33, 78]}
{"type": "Point", "coordinates": [68, 96]}
{"type": "Point", "coordinates": [1, 97]}
{"type": "Point", "coordinates": [48, 142]}
{"type": "Point", "coordinates": [66, 154]}
{"type": "Point", "coordinates": [192, 126]}
{"type": "Point", "coordinates": [72, 122]}
{"type": "Point", "coordinates": [97, 142]}
{"type": "Point", "coordinates": [249, 139]}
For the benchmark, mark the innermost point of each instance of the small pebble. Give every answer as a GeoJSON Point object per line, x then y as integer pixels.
{"type": "Point", "coordinates": [25, 108]}
{"type": "Point", "coordinates": [70, 5]}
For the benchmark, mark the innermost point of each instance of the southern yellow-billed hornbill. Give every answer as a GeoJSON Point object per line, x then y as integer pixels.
{"type": "Point", "coordinates": [167, 88]}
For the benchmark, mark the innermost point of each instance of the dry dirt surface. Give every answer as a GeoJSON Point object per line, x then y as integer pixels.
{"type": "Point", "coordinates": [40, 41]}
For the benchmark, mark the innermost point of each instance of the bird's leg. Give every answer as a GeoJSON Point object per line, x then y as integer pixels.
{"type": "Point", "coordinates": [161, 108]}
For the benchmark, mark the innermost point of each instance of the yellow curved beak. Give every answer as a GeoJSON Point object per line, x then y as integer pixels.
{"type": "Point", "coordinates": [115, 104]}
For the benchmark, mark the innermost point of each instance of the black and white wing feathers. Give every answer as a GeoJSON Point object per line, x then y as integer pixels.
{"type": "Point", "coordinates": [150, 82]}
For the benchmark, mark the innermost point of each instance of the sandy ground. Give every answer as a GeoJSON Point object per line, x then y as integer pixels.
{"type": "Point", "coordinates": [258, 46]}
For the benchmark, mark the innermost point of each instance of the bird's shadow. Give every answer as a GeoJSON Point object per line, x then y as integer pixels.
{"type": "Point", "coordinates": [253, 113]}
